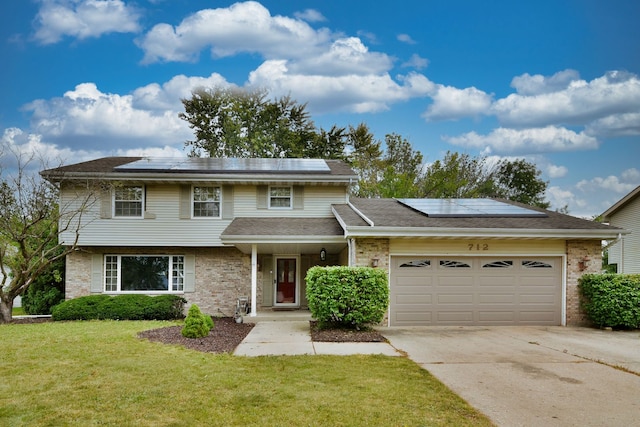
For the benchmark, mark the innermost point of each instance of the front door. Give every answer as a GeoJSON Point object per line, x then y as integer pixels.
{"type": "Point", "coordinates": [286, 282]}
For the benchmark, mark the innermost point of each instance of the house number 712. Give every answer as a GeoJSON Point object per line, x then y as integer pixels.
{"type": "Point", "coordinates": [478, 246]}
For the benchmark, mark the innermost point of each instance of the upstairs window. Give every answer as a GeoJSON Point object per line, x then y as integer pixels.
{"type": "Point", "coordinates": [128, 201]}
{"type": "Point", "coordinates": [280, 197]}
{"type": "Point", "coordinates": [206, 202]}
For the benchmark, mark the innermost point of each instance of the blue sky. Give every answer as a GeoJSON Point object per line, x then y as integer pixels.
{"type": "Point", "coordinates": [554, 82]}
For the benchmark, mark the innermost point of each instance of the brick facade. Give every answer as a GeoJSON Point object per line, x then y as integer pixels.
{"type": "Point", "coordinates": [583, 256]}
{"type": "Point", "coordinates": [221, 275]}
{"type": "Point", "coordinates": [369, 249]}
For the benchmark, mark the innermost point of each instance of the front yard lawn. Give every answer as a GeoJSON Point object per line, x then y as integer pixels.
{"type": "Point", "coordinates": [100, 373]}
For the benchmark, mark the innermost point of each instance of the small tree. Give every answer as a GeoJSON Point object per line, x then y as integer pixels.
{"type": "Point", "coordinates": [30, 220]}
{"type": "Point", "coordinates": [196, 325]}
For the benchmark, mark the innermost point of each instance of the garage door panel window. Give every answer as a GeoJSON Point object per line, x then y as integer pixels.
{"type": "Point", "coordinates": [419, 263]}
{"type": "Point", "coordinates": [535, 264]}
{"type": "Point", "coordinates": [498, 264]}
{"type": "Point", "coordinates": [446, 263]}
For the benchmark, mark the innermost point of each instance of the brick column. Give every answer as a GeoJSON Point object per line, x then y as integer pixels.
{"type": "Point", "coordinates": [583, 256]}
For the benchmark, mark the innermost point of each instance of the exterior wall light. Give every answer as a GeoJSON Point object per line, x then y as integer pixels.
{"type": "Point", "coordinates": [323, 254]}
{"type": "Point", "coordinates": [374, 262]}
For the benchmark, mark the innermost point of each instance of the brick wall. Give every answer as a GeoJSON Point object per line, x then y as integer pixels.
{"type": "Point", "coordinates": [222, 274]}
{"type": "Point", "coordinates": [583, 256]}
{"type": "Point", "coordinates": [369, 249]}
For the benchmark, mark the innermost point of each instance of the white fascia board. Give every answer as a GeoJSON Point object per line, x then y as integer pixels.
{"type": "Point", "coordinates": [230, 240]}
{"type": "Point", "coordinates": [503, 233]}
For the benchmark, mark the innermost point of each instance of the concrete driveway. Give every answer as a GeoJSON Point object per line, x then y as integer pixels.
{"type": "Point", "coordinates": [533, 376]}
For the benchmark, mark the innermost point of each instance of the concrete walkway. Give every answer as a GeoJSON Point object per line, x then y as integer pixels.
{"type": "Point", "coordinates": [277, 338]}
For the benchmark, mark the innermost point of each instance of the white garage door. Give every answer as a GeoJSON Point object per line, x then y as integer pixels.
{"type": "Point", "coordinates": [475, 290]}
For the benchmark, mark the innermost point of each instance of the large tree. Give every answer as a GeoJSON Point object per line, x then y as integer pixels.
{"type": "Point", "coordinates": [519, 180]}
{"type": "Point", "coordinates": [235, 122]}
{"type": "Point", "coordinates": [365, 157]}
{"type": "Point", "coordinates": [458, 176]}
{"type": "Point", "coordinates": [30, 220]}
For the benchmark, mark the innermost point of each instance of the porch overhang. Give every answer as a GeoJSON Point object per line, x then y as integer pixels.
{"type": "Point", "coordinates": [285, 235]}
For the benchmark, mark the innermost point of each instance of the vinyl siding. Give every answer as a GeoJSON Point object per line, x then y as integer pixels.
{"type": "Point", "coordinates": [162, 224]}
{"type": "Point", "coordinates": [627, 218]}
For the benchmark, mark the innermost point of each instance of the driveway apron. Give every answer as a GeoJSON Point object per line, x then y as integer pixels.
{"type": "Point", "coordinates": [533, 376]}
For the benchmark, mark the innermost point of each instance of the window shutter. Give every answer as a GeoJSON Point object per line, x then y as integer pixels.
{"type": "Point", "coordinates": [105, 204]}
{"type": "Point", "coordinates": [190, 273]}
{"type": "Point", "coordinates": [97, 284]}
{"type": "Point", "coordinates": [185, 202]}
{"type": "Point", "coordinates": [298, 197]}
{"type": "Point", "coordinates": [261, 196]}
{"type": "Point", "coordinates": [227, 202]}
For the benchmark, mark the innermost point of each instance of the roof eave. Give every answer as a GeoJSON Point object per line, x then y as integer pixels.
{"type": "Point", "coordinates": [262, 239]}
{"type": "Point", "coordinates": [503, 233]}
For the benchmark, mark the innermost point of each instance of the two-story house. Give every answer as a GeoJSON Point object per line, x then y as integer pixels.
{"type": "Point", "coordinates": [213, 230]}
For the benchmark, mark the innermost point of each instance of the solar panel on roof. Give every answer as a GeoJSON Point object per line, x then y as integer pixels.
{"type": "Point", "coordinates": [460, 208]}
{"type": "Point", "coordinates": [207, 164]}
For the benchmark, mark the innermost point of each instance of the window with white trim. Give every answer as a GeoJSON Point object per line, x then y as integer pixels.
{"type": "Point", "coordinates": [128, 201]}
{"type": "Point", "coordinates": [206, 202]}
{"type": "Point", "coordinates": [280, 197]}
{"type": "Point", "coordinates": [144, 273]}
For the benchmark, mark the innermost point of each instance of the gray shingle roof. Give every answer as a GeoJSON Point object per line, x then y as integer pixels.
{"type": "Point", "coordinates": [389, 213]}
{"type": "Point", "coordinates": [283, 227]}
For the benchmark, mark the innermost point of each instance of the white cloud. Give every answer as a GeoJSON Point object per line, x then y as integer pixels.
{"type": "Point", "coordinates": [358, 93]}
{"type": "Point", "coordinates": [450, 103]}
{"type": "Point", "coordinates": [559, 198]}
{"type": "Point", "coordinates": [344, 57]}
{"type": "Point", "coordinates": [579, 103]}
{"type": "Point", "coordinates": [49, 155]}
{"type": "Point", "coordinates": [537, 84]}
{"type": "Point", "coordinates": [554, 171]}
{"type": "Point", "coordinates": [242, 27]}
{"type": "Point", "coordinates": [417, 62]}
{"type": "Point", "coordinates": [616, 125]}
{"type": "Point", "coordinates": [156, 97]}
{"type": "Point", "coordinates": [534, 140]}
{"type": "Point", "coordinates": [83, 19]}
{"type": "Point", "coordinates": [609, 183]}
{"type": "Point", "coordinates": [87, 117]}
{"type": "Point", "coordinates": [310, 15]}
{"type": "Point", "coordinates": [406, 38]}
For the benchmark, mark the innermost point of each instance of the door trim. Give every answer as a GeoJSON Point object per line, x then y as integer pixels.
{"type": "Point", "coordinates": [296, 278]}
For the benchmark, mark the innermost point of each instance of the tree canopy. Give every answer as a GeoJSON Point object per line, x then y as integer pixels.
{"type": "Point", "coordinates": [233, 122]}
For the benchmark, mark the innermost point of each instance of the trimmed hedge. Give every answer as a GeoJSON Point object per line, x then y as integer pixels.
{"type": "Point", "coordinates": [121, 307]}
{"type": "Point", "coordinates": [347, 296]}
{"type": "Point", "coordinates": [611, 300]}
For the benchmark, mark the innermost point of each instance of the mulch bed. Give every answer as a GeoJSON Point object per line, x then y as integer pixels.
{"type": "Point", "coordinates": [223, 338]}
{"type": "Point", "coordinates": [344, 335]}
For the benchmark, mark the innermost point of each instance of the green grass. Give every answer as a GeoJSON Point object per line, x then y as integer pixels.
{"type": "Point", "coordinates": [99, 373]}
{"type": "Point", "coordinates": [18, 311]}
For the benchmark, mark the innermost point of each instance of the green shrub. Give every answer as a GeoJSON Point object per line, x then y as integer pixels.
{"type": "Point", "coordinates": [46, 290]}
{"type": "Point", "coordinates": [120, 307]}
{"type": "Point", "coordinates": [196, 325]}
{"type": "Point", "coordinates": [347, 296]}
{"type": "Point", "coordinates": [611, 299]}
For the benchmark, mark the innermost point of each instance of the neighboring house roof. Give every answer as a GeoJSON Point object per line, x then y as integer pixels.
{"type": "Point", "coordinates": [606, 216]}
{"type": "Point", "coordinates": [198, 168]}
{"type": "Point", "coordinates": [389, 217]}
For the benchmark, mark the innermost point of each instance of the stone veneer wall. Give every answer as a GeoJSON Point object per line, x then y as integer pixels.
{"type": "Point", "coordinates": [221, 275]}
{"type": "Point", "coordinates": [589, 252]}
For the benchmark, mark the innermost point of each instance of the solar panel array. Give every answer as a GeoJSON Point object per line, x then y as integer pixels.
{"type": "Point", "coordinates": [461, 208]}
{"type": "Point", "coordinates": [206, 164]}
